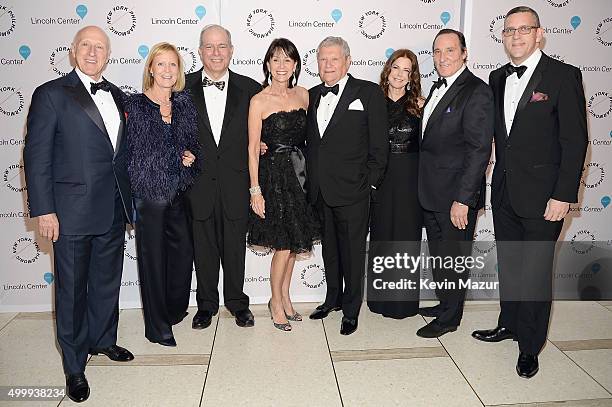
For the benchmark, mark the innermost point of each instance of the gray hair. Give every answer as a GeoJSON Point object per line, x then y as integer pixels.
{"type": "Point", "coordinates": [335, 41]}
{"type": "Point", "coordinates": [218, 27]}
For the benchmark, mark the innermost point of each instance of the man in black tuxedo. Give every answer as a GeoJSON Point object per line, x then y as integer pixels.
{"type": "Point", "coordinates": [456, 141]}
{"type": "Point", "coordinates": [219, 199]}
{"type": "Point", "coordinates": [540, 146]}
{"type": "Point", "coordinates": [346, 158]}
{"type": "Point", "coordinates": [78, 189]}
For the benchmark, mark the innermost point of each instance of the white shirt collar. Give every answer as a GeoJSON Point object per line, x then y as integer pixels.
{"type": "Point", "coordinates": [87, 80]}
{"type": "Point", "coordinates": [532, 61]}
{"type": "Point", "coordinates": [451, 79]}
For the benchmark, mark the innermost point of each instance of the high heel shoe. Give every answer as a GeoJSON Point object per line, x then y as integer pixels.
{"type": "Point", "coordinates": [283, 327]}
{"type": "Point", "coordinates": [295, 317]}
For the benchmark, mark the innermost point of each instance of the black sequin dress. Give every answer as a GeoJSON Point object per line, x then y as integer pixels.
{"type": "Point", "coordinates": [291, 222]}
{"type": "Point", "coordinates": [396, 215]}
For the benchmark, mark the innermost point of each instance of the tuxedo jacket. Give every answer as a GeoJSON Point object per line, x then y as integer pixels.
{"type": "Point", "coordinates": [224, 167]}
{"type": "Point", "coordinates": [351, 155]}
{"type": "Point", "coordinates": [70, 165]}
{"type": "Point", "coordinates": [542, 155]}
{"type": "Point", "coordinates": [456, 146]}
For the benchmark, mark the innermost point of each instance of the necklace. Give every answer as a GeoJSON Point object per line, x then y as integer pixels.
{"type": "Point", "coordinates": [165, 108]}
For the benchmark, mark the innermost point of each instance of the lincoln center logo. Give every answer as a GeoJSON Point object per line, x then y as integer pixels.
{"type": "Point", "coordinates": [313, 276]}
{"type": "Point", "coordinates": [129, 247]}
{"type": "Point", "coordinates": [604, 28]}
{"type": "Point", "coordinates": [372, 24]}
{"type": "Point", "coordinates": [558, 3]}
{"type": "Point", "coordinates": [11, 101]}
{"type": "Point", "coordinates": [592, 175]}
{"type": "Point", "coordinates": [121, 21]}
{"type": "Point", "coordinates": [426, 65]}
{"type": "Point", "coordinates": [260, 23]}
{"type": "Point", "coordinates": [7, 21]}
{"type": "Point", "coordinates": [60, 60]}
{"type": "Point", "coordinates": [600, 104]}
{"type": "Point", "coordinates": [309, 63]}
{"type": "Point", "coordinates": [13, 178]}
{"type": "Point", "coordinates": [190, 58]}
{"type": "Point", "coordinates": [495, 28]}
{"type": "Point", "coordinates": [26, 250]}
{"type": "Point", "coordinates": [583, 241]}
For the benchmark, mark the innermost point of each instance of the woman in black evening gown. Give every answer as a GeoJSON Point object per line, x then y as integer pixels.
{"type": "Point", "coordinates": [281, 217]}
{"type": "Point", "coordinates": [395, 211]}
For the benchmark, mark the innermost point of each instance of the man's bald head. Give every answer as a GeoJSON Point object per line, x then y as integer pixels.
{"type": "Point", "coordinates": [91, 50]}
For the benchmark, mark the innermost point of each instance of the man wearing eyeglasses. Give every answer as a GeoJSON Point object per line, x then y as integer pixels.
{"type": "Point", "coordinates": [540, 146]}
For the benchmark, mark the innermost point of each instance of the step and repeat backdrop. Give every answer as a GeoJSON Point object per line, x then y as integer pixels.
{"type": "Point", "coordinates": [35, 40]}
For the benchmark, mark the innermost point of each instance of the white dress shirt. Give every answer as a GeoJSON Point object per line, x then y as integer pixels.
{"type": "Point", "coordinates": [215, 104]}
{"type": "Point", "coordinates": [327, 105]}
{"type": "Point", "coordinates": [106, 106]}
{"type": "Point", "coordinates": [515, 87]}
{"type": "Point", "coordinates": [437, 95]}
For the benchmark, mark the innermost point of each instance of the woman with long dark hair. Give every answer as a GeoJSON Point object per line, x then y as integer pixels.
{"type": "Point", "coordinates": [281, 217]}
{"type": "Point", "coordinates": [395, 210]}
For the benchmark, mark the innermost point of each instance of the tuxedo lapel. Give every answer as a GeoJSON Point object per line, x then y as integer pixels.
{"type": "Point", "coordinates": [313, 106]}
{"type": "Point", "coordinates": [118, 98]}
{"type": "Point", "coordinates": [501, 90]}
{"type": "Point", "coordinates": [533, 83]}
{"type": "Point", "coordinates": [348, 95]}
{"type": "Point", "coordinates": [79, 93]}
{"type": "Point", "coordinates": [200, 101]}
{"type": "Point", "coordinates": [448, 97]}
{"type": "Point", "coordinates": [233, 99]}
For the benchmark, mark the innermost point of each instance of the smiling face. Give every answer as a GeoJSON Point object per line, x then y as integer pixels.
{"type": "Point", "coordinates": [91, 50]}
{"type": "Point", "coordinates": [520, 46]}
{"type": "Point", "coordinates": [215, 52]}
{"type": "Point", "coordinates": [165, 69]}
{"type": "Point", "coordinates": [281, 66]}
{"type": "Point", "coordinates": [447, 55]}
{"type": "Point", "coordinates": [333, 64]}
{"type": "Point", "coordinates": [400, 72]}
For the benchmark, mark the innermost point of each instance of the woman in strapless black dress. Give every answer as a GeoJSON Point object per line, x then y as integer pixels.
{"type": "Point", "coordinates": [281, 218]}
{"type": "Point", "coordinates": [395, 211]}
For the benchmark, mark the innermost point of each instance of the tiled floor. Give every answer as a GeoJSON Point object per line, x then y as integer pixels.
{"type": "Point", "coordinates": [383, 364]}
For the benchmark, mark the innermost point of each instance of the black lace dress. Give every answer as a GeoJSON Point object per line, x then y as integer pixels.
{"type": "Point", "coordinates": [396, 215]}
{"type": "Point", "coordinates": [291, 222]}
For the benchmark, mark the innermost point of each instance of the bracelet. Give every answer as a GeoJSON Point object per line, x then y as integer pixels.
{"type": "Point", "coordinates": [256, 190]}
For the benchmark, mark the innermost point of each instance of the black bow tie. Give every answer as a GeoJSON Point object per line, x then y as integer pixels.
{"type": "Point", "coordinates": [519, 70]}
{"type": "Point", "coordinates": [438, 84]}
{"type": "Point", "coordinates": [219, 84]}
{"type": "Point", "coordinates": [103, 85]}
{"type": "Point", "coordinates": [333, 89]}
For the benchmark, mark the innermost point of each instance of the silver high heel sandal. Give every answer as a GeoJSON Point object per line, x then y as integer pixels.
{"type": "Point", "coordinates": [283, 327]}
{"type": "Point", "coordinates": [295, 317]}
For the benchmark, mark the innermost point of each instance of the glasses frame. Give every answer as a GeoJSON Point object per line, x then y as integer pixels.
{"type": "Point", "coordinates": [522, 30]}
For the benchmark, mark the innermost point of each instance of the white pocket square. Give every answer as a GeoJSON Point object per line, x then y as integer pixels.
{"type": "Point", "coordinates": [356, 105]}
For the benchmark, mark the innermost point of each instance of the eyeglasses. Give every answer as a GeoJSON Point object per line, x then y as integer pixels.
{"type": "Point", "coordinates": [523, 30]}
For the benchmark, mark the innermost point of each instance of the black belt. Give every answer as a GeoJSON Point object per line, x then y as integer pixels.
{"type": "Point", "coordinates": [297, 159]}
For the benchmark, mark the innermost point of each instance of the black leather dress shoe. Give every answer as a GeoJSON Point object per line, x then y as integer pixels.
{"type": "Point", "coordinates": [167, 342]}
{"type": "Point", "coordinates": [348, 326]}
{"type": "Point", "coordinates": [114, 352]}
{"type": "Point", "coordinates": [244, 318]}
{"type": "Point", "coordinates": [434, 329]}
{"type": "Point", "coordinates": [527, 365]}
{"type": "Point", "coordinates": [77, 387]}
{"type": "Point", "coordinates": [433, 312]}
{"type": "Point", "coordinates": [322, 311]}
{"type": "Point", "coordinates": [202, 319]}
{"type": "Point", "coordinates": [497, 334]}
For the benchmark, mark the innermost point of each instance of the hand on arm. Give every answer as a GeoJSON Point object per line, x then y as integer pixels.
{"type": "Point", "coordinates": [258, 204]}
{"type": "Point", "coordinates": [188, 158]}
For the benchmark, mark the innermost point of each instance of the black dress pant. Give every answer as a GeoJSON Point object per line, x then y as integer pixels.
{"type": "Point", "coordinates": [444, 239]}
{"type": "Point", "coordinates": [87, 281]}
{"type": "Point", "coordinates": [165, 263]}
{"type": "Point", "coordinates": [344, 243]}
{"type": "Point", "coordinates": [525, 254]}
{"type": "Point", "coordinates": [220, 240]}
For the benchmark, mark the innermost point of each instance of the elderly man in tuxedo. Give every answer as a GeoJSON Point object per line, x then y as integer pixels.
{"type": "Point", "coordinates": [78, 190]}
{"type": "Point", "coordinates": [219, 199]}
{"type": "Point", "coordinates": [540, 146]}
{"type": "Point", "coordinates": [346, 154]}
{"type": "Point", "coordinates": [457, 133]}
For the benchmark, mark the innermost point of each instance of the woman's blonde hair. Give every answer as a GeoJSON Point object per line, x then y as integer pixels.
{"type": "Point", "coordinates": [147, 76]}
